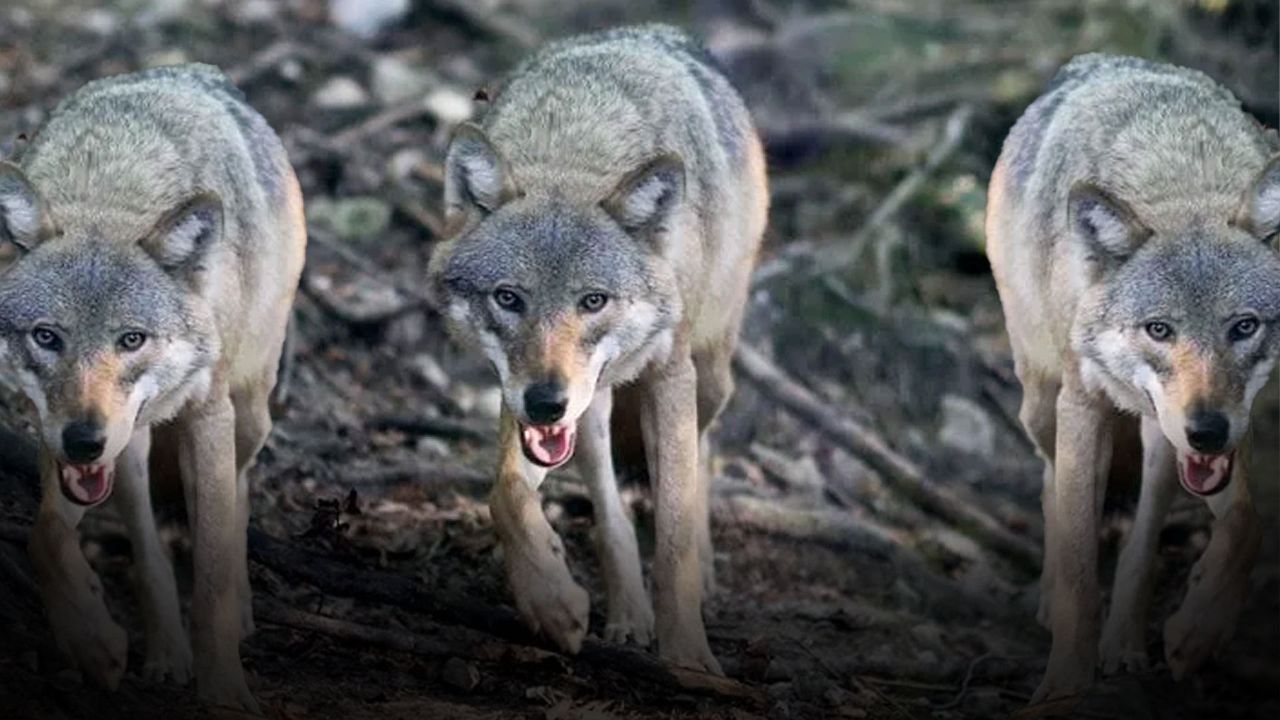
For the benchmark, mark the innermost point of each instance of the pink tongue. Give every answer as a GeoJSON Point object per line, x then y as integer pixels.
{"type": "Point", "coordinates": [550, 445]}
{"type": "Point", "coordinates": [1205, 474]}
{"type": "Point", "coordinates": [87, 483]}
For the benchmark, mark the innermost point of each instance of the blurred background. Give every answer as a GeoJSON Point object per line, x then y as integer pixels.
{"type": "Point", "coordinates": [875, 506]}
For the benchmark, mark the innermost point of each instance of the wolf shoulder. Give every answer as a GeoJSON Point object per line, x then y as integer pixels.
{"type": "Point", "coordinates": [186, 119]}
{"type": "Point", "coordinates": [650, 85]}
{"type": "Point", "coordinates": [1101, 111]}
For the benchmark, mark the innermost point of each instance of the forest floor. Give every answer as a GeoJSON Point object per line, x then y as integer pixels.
{"type": "Point", "coordinates": [876, 557]}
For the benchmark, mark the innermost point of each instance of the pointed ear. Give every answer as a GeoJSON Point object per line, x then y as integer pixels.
{"type": "Point", "coordinates": [1109, 228]}
{"type": "Point", "coordinates": [475, 175]}
{"type": "Point", "coordinates": [180, 242]}
{"type": "Point", "coordinates": [24, 221]}
{"type": "Point", "coordinates": [1259, 213]}
{"type": "Point", "coordinates": [646, 200]}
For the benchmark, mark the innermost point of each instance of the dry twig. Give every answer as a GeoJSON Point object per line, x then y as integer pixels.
{"type": "Point", "coordinates": [900, 473]}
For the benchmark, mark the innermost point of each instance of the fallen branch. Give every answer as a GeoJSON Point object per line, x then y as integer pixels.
{"type": "Point", "coordinates": [899, 473]}
{"type": "Point", "coordinates": [830, 259]}
{"type": "Point", "coordinates": [512, 31]}
{"type": "Point", "coordinates": [441, 427]}
{"type": "Point", "coordinates": [337, 577]}
{"type": "Point", "coordinates": [417, 299]}
{"type": "Point", "coordinates": [404, 111]}
{"type": "Point", "coordinates": [781, 136]}
{"type": "Point", "coordinates": [263, 61]}
{"type": "Point", "coordinates": [486, 650]}
{"type": "Point", "coordinates": [436, 476]}
{"type": "Point", "coordinates": [846, 532]}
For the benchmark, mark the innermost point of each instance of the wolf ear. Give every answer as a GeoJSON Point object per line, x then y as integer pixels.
{"type": "Point", "coordinates": [181, 240]}
{"type": "Point", "coordinates": [1259, 213]}
{"type": "Point", "coordinates": [475, 176]}
{"type": "Point", "coordinates": [646, 200]}
{"type": "Point", "coordinates": [24, 221]}
{"type": "Point", "coordinates": [1109, 228]}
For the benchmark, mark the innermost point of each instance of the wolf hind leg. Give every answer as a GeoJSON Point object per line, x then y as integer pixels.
{"type": "Point", "coordinates": [715, 387]}
{"type": "Point", "coordinates": [253, 425]}
{"type": "Point", "coordinates": [1038, 417]}
{"type": "Point", "coordinates": [630, 612]}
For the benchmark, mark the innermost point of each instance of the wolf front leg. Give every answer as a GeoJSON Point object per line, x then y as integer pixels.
{"type": "Point", "coordinates": [1220, 578]}
{"type": "Point", "coordinates": [207, 456]}
{"type": "Point", "coordinates": [630, 615]}
{"type": "Point", "coordinates": [545, 593]}
{"type": "Point", "coordinates": [669, 421]}
{"type": "Point", "coordinates": [72, 592]}
{"type": "Point", "coordinates": [168, 650]}
{"type": "Point", "coordinates": [1083, 436]}
{"type": "Point", "coordinates": [1124, 646]}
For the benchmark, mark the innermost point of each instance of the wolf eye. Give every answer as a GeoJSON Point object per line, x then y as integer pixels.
{"type": "Point", "coordinates": [131, 341]}
{"type": "Point", "coordinates": [593, 302]}
{"type": "Point", "coordinates": [1159, 331]}
{"type": "Point", "coordinates": [1244, 329]}
{"type": "Point", "coordinates": [508, 300]}
{"type": "Point", "coordinates": [47, 339]}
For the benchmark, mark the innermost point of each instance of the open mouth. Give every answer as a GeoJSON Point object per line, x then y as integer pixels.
{"type": "Point", "coordinates": [1205, 475]}
{"type": "Point", "coordinates": [87, 484]}
{"type": "Point", "coordinates": [548, 445]}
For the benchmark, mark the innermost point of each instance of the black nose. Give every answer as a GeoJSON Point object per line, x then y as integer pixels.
{"type": "Point", "coordinates": [83, 441]}
{"type": "Point", "coordinates": [544, 403]}
{"type": "Point", "coordinates": [1207, 432]}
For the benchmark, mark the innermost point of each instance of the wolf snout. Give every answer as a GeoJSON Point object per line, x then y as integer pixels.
{"type": "Point", "coordinates": [545, 403]}
{"type": "Point", "coordinates": [1208, 432]}
{"type": "Point", "coordinates": [83, 441]}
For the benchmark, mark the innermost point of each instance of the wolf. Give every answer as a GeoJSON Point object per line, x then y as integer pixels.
{"type": "Point", "coordinates": [1131, 225]}
{"type": "Point", "coordinates": [161, 239]}
{"type": "Point", "coordinates": [604, 219]}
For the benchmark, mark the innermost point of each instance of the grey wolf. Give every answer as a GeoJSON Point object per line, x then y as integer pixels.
{"type": "Point", "coordinates": [162, 237]}
{"type": "Point", "coordinates": [1131, 225]}
{"type": "Point", "coordinates": [605, 217]}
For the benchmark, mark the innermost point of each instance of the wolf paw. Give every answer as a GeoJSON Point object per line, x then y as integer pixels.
{"type": "Point", "coordinates": [1191, 637]}
{"type": "Point", "coordinates": [1063, 680]}
{"type": "Point", "coordinates": [690, 650]}
{"type": "Point", "coordinates": [1206, 619]}
{"type": "Point", "coordinates": [630, 619]}
{"type": "Point", "coordinates": [549, 600]}
{"type": "Point", "coordinates": [226, 688]}
{"type": "Point", "coordinates": [93, 642]}
{"type": "Point", "coordinates": [168, 659]}
{"type": "Point", "coordinates": [1130, 660]}
{"type": "Point", "coordinates": [1123, 651]}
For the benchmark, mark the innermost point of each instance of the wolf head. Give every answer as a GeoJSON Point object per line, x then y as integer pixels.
{"type": "Point", "coordinates": [100, 333]}
{"type": "Point", "coordinates": [1185, 325]}
{"type": "Point", "coordinates": [560, 294]}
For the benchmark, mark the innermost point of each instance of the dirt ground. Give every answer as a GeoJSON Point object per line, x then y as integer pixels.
{"type": "Point", "coordinates": [378, 581]}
